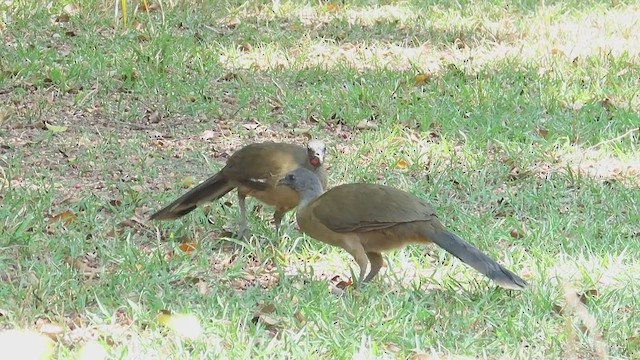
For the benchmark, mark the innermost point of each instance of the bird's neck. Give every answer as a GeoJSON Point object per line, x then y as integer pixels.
{"type": "Point", "coordinates": [310, 194]}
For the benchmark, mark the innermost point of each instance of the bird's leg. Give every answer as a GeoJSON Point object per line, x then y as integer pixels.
{"type": "Point", "coordinates": [277, 219]}
{"type": "Point", "coordinates": [354, 247]}
{"type": "Point", "coordinates": [376, 261]}
{"type": "Point", "coordinates": [242, 229]}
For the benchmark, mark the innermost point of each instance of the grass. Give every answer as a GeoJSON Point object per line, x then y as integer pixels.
{"type": "Point", "coordinates": [517, 122]}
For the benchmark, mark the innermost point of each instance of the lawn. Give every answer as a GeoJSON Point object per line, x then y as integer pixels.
{"type": "Point", "coordinates": [518, 121]}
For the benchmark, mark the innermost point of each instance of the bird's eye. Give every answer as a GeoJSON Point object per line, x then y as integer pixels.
{"type": "Point", "coordinates": [291, 177]}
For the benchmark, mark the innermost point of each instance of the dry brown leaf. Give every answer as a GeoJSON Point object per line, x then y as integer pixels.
{"type": "Point", "coordinates": [147, 7]}
{"type": "Point", "coordinates": [422, 79]}
{"type": "Point", "coordinates": [62, 18]}
{"type": "Point", "coordinates": [608, 104]}
{"type": "Point", "coordinates": [542, 132]}
{"type": "Point", "coordinates": [115, 202]}
{"type": "Point", "coordinates": [516, 235]}
{"type": "Point", "coordinates": [263, 316]}
{"type": "Point", "coordinates": [344, 284]}
{"type": "Point", "coordinates": [402, 165]}
{"type": "Point", "coordinates": [300, 318]}
{"type": "Point", "coordinates": [87, 265]}
{"type": "Point", "coordinates": [331, 7]}
{"type": "Point", "coordinates": [245, 47]}
{"type": "Point", "coordinates": [127, 223]}
{"type": "Point", "coordinates": [188, 247]}
{"type": "Point", "coordinates": [67, 217]}
{"type": "Point", "coordinates": [267, 309]}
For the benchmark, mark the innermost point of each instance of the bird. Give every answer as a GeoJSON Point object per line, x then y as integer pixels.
{"type": "Point", "coordinates": [368, 219]}
{"type": "Point", "coordinates": [254, 170]}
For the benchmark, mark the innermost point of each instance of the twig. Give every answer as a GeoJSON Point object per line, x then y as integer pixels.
{"type": "Point", "coordinates": [614, 139]}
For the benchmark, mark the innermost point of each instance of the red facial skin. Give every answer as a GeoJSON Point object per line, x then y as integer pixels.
{"type": "Point", "coordinates": [315, 161]}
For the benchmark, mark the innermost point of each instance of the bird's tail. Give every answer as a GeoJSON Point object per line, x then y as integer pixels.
{"type": "Point", "coordinates": [477, 260]}
{"type": "Point", "coordinates": [210, 190]}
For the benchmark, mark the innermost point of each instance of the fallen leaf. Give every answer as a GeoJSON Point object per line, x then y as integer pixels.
{"type": "Point", "coordinates": [66, 216]}
{"type": "Point", "coordinates": [55, 129]}
{"type": "Point", "coordinates": [344, 284]}
{"type": "Point", "coordinates": [608, 104]}
{"type": "Point", "coordinates": [516, 235]}
{"type": "Point", "coordinates": [127, 223]}
{"type": "Point", "coordinates": [300, 318]}
{"type": "Point", "coordinates": [155, 116]}
{"type": "Point", "coordinates": [245, 47]}
{"type": "Point", "coordinates": [422, 79]}
{"type": "Point", "coordinates": [229, 76]}
{"type": "Point", "coordinates": [331, 7]}
{"type": "Point", "coordinates": [115, 202]}
{"type": "Point", "coordinates": [146, 7]}
{"type": "Point", "coordinates": [268, 309]}
{"type": "Point", "coordinates": [263, 312]}
{"type": "Point", "coordinates": [188, 247]}
{"type": "Point", "coordinates": [62, 18]}
{"type": "Point", "coordinates": [542, 132]}
{"type": "Point", "coordinates": [402, 165]}
{"type": "Point", "coordinates": [87, 265]}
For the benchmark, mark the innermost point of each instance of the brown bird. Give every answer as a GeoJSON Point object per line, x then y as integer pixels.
{"type": "Point", "coordinates": [254, 170]}
{"type": "Point", "coordinates": [367, 219]}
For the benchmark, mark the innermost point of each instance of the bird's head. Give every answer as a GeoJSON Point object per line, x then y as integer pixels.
{"type": "Point", "coordinates": [315, 152]}
{"type": "Point", "coordinates": [302, 181]}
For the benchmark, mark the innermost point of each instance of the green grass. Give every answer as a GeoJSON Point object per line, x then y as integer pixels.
{"type": "Point", "coordinates": [525, 125]}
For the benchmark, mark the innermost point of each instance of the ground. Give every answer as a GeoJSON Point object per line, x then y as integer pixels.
{"type": "Point", "coordinates": [518, 122]}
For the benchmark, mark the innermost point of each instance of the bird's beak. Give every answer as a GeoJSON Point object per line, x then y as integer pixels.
{"type": "Point", "coordinates": [316, 160]}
